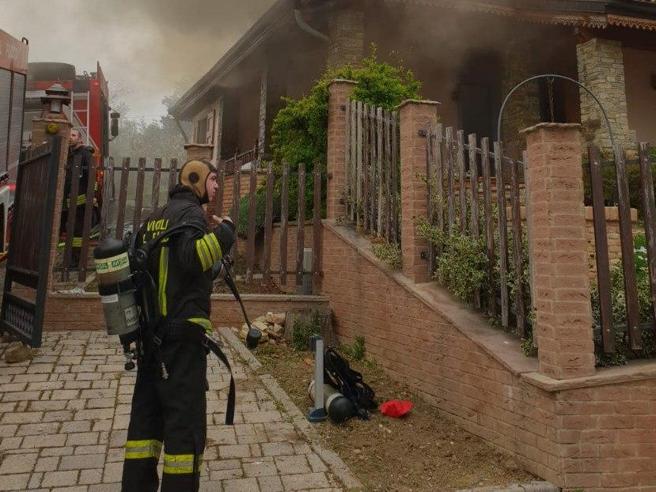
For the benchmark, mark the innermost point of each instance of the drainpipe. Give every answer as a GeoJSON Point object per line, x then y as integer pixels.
{"type": "Point", "coordinates": [304, 26]}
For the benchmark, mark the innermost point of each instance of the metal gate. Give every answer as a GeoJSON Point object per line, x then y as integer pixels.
{"type": "Point", "coordinates": [26, 279]}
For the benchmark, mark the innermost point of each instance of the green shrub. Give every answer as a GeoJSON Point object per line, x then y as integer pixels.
{"type": "Point", "coordinates": [299, 130]}
{"type": "Point", "coordinates": [623, 352]}
{"type": "Point", "coordinates": [260, 210]}
{"type": "Point", "coordinates": [463, 268]}
{"type": "Point", "coordinates": [355, 351]}
{"type": "Point", "coordinates": [388, 253]}
{"type": "Point", "coordinates": [304, 328]}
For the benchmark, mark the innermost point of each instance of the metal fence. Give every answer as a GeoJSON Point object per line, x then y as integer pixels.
{"type": "Point", "coordinates": [26, 276]}
{"type": "Point", "coordinates": [372, 170]}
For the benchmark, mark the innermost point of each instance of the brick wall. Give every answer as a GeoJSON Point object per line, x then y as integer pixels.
{"type": "Point", "coordinates": [607, 434]}
{"type": "Point", "coordinates": [566, 421]}
{"type": "Point", "coordinates": [596, 433]}
{"type": "Point", "coordinates": [244, 189]}
{"type": "Point", "coordinates": [84, 312]}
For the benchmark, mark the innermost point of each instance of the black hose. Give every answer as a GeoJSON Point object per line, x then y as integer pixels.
{"type": "Point", "coordinates": [233, 288]}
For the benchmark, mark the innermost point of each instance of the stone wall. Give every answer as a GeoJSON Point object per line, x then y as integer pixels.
{"type": "Point", "coordinates": [601, 70]}
{"type": "Point", "coordinates": [346, 32]}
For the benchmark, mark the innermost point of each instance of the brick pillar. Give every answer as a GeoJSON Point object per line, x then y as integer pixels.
{"type": "Point", "coordinates": [340, 91]}
{"type": "Point", "coordinates": [44, 128]}
{"type": "Point", "coordinates": [199, 151]}
{"type": "Point", "coordinates": [601, 69]}
{"type": "Point", "coordinates": [560, 281]}
{"type": "Point", "coordinates": [415, 116]}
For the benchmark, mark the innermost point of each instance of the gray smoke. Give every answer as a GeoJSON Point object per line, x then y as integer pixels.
{"type": "Point", "coordinates": [148, 49]}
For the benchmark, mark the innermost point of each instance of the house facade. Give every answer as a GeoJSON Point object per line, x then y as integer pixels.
{"type": "Point", "coordinates": [468, 54]}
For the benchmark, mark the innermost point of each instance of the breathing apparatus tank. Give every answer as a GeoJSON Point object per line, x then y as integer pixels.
{"type": "Point", "coordinates": [339, 408]}
{"type": "Point", "coordinates": [116, 288]}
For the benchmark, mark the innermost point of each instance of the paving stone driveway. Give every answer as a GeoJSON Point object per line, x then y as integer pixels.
{"type": "Point", "coordinates": [64, 418]}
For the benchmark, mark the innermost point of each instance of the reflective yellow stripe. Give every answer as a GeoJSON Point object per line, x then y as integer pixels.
{"type": "Point", "coordinates": [205, 323]}
{"type": "Point", "coordinates": [215, 247]}
{"type": "Point", "coordinates": [138, 450]}
{"type": "Point", "coordinates": [163, 277]}
{"type": "Point", "coordinates": [80, 200]}
{"type": "Point", "coordinates": [77, 241]}
{"type": "Point", "coordinates": [176, 464]}
{"type": "Point", "coordinates": [203, 254]}
{"type": "Point", "coordinates": [210, 250]}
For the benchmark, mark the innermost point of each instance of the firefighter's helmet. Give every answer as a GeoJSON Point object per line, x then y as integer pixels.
{"type": "Point", "coordinates": [194, 174]}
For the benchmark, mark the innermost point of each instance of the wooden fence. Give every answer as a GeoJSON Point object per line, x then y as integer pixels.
{"type": "Point", "coordinates": [126, 212]}
{"type": "Point", "coordinates": [635, 273]}
{"type": "Point", "coordinates": [475, 192]}
{"type": "Point", "coordinates": [372, 170]}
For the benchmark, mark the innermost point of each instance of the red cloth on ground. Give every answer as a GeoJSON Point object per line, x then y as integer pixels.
{"type": "Point", "coordinates": [396, 408]}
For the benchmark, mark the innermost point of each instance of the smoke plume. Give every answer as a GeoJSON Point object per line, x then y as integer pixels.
{"type": "Point", "coordinates": [148, 49]}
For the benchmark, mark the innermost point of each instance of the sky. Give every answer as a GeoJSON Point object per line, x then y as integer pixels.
{"type": "Point", "coordinates": [148, 49]}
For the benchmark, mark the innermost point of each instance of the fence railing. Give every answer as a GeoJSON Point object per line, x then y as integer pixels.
{"type": "Point", "coordinates": [625, 300]}
{"type": "Point", "coordinates": [372, 170]}
{"type": "Point", "coordinates": [140, 192]}
{"type": "Point", "coordinates": [473, 191]}
{"type": "Point", "coordinates": [240, 158]}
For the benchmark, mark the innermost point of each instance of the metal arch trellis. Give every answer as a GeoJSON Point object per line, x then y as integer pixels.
{"type": "Point", "coordinates": [553, 76]}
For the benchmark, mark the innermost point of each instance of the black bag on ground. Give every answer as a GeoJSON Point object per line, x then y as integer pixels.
{"type": "Point", "coordinates": [339, 374]}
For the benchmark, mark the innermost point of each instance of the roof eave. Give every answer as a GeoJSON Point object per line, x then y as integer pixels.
{"type": "Point", "coordinates": [258, 33]}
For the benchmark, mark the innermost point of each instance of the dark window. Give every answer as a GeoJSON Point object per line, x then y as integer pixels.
{"type": "Point", "coordinates": [552, 101]}
{"type": "Point", "coordinates": [201, 131]}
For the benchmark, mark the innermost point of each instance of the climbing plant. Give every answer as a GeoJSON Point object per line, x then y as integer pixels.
{"type": "Point", "coordinates": [299, 133]}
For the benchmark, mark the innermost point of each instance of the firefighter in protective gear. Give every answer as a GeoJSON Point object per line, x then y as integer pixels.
{"type": "Point", "coordinates": [169, 404]}
{"type": "Point", "coordinates": [77, 151]}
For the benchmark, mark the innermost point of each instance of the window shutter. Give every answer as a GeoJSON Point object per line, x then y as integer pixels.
{"type": "Point", "coordinates": [210, 127]}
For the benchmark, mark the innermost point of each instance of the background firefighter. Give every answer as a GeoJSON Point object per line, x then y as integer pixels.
{"type": "Point", "coordinates": [169, 402]}
{"type": "Point", "coordinates": [77, 151]}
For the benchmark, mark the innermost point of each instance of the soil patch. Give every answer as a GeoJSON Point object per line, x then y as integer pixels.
{"type": "Point", "coordinates": [423, 451]}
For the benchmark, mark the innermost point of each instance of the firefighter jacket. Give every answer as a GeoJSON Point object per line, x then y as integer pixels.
{"type": "Point", "coordinates": [84, 154]}
{"type": "Point", "coordinates": [182, 264]}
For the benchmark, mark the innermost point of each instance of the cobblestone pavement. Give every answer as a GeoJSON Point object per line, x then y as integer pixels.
{"type": "Point", "coordinates": [64, 418]}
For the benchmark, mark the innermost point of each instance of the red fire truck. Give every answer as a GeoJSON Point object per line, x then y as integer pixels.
{"type": "Point", "coordinates": [13, 72]}
{"type": "Point", "coordinates": [89, 110]}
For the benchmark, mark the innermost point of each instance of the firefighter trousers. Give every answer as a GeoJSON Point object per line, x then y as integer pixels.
{"type": "Point", "coordinates": [171, 413]}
